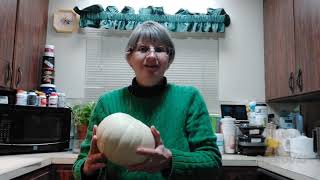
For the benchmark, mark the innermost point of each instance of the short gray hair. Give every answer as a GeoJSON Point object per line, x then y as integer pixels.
{"type": "Point", "coordinates": [153, 31]}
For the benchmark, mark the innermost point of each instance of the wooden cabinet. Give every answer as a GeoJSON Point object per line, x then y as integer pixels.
{"type": "Point", "coordinates": [63, 172]}
{"type": "Point", "coordinates": [248, 173]}
{"type": "Point", "coordinates": [278, 47]}
{"type": "Point", "coordinates": [307, 42]}
{"type": "Point", "coordinates": [23, 36]}
{"type": "Point", "coordinates": [292, 47]}
{"type": "Point", "coordinates": [40, 174]}
{"type": "Point", "coordinates": [238, 173]}
{"type": "Point", "coordinates": [263, 174]}
{"type": "Point", "coordinates": [52, 172]}
{"type": "Point", "coordinates": [8, 10]}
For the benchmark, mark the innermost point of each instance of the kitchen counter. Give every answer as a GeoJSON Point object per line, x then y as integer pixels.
{"type": "Point", "coordinates": [308, 169]}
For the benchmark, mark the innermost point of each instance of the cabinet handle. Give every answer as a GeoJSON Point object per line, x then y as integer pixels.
{"type": "Point", "coordinates": [299, 80]}
{"type": "Point", "coordinates": [8, 79]}
{"type": "Point", "coordinates": [19, 76]}
{"type": "Point", "coordinates": [291, 82]}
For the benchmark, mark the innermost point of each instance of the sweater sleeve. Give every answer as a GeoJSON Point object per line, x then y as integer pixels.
{"type": "Point", "coordinates": [204, 156]}
{"type": "Point", "coordinates": [96, 117]}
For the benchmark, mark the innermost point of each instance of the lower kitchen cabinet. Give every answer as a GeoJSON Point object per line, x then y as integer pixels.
{"type": "Point", "coordinates": [62, 171]}
{"type": "Point", "coordinates": [40, 174]}
{"type": "Point", "coordinates": [52, 172]}
{"type": "Point", "coordinates": [248, 173]}
{"type": "Point", "coordinates": [238, 173]}
{"type": "Point", "coordinates": [268, 175]}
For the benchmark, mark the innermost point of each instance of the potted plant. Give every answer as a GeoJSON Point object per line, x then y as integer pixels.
{"type": "Point", "coordinates": [81, 114]}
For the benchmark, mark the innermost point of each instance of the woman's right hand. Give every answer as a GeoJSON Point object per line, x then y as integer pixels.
{"type": "Point", "coordinates": [96, 159]}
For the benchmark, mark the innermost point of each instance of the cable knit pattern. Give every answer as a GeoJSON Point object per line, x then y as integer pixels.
{"type": "Point", "coordinates": [181, 116]}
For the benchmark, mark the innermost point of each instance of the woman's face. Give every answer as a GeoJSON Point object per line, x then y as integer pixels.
{"type": "Point", "coordinates": [149, 62]}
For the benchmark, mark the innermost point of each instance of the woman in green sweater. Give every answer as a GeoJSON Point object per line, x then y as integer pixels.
{"type": "Point", "coordinates": [179, 120]}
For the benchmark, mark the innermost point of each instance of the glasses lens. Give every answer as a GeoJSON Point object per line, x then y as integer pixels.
{"type": "Point", "coordinates": [159, 50]}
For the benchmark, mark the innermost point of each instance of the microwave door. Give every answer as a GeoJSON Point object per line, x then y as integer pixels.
{"type": "Point", "coordinates": [36, 127]}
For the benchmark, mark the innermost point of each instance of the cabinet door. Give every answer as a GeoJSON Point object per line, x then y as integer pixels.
{"type": "Point", "coordinates": [307, 41]}
{"type": "Point", "coordinates": [40, 174]}
{"type": "Point", "coordinates": [31, 30]}
{"type": "Point", "coordinates": [7, 29]}
{"type": "Point", "coordinates": [63, 172]}
{"type": "Point", "coordinates": [279, 47]}
{"type": "Point", "coordinates": [238, 173]}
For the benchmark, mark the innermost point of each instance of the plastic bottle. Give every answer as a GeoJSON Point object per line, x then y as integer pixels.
{"type": "Point", "coordinates": [220, 142]}
{"type": "Point", "coordinates": [61, 99]}
{"type": "Point", "coordinates": [32, 98]}
{"type": "Point", "coordinates": [42, 100]}
{"type": "Point", "coordinates": [53, 100]}
{"type": "Point", "coordinates": [21, 98]}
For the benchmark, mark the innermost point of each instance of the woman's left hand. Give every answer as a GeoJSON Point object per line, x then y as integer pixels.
{"type": "Point", "coordinates": [158, 158]}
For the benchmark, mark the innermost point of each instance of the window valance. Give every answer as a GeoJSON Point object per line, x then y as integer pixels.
{"type": "Point", "coordinates": [95, 16]}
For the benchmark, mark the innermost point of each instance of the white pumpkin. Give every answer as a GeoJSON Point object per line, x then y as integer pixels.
{"type": "Point", "coordinates": [119, 135]}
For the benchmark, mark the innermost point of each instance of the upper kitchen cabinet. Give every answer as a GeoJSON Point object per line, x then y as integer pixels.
{"type": "Point", "coordinates": [292, 48]}
{"type": "Point", "coordinates": [30, 38]}
{"type": "Point", "coordinates": [7, 29]}
{"type": "Point", "coordinates": [23, 36]}
{"type": "Point", "coordinates": [278, 48]}
{"type": "Point", "coordinates": [307, 42]}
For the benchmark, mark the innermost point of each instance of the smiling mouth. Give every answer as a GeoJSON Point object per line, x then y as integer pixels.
{"type": "Point", "coordinates": [151, 66]}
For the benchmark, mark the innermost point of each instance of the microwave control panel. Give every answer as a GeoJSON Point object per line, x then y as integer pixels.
{"type": "Point", "coordinates": [5, 125]}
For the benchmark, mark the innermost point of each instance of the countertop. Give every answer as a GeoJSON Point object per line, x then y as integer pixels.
{"type": "Point", "coordinates": [307, 169]}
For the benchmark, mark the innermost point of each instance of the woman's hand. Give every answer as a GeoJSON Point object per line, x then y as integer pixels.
{"type": "Point", "coordinates": [158, 158]}
{"type": "Point", "coordinates": [95, 159]}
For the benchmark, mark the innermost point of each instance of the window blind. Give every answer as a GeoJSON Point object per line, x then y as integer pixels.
{"type": "Point", "coordinates": [196, 64]}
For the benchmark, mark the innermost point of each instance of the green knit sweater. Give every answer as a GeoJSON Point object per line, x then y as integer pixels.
{"type": "Point", "coordinates": [181, 116]}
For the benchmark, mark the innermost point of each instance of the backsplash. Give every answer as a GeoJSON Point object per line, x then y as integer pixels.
{"type": "Point", "coordinates": [311, 116]}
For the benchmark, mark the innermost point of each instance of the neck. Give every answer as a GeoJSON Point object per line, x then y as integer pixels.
{"type": "Point", "coordinates": [147, 91]}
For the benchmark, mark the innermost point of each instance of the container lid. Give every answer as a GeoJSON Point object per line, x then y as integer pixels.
{"type": "Point", "coordinates": [53, 94]}
{"type": "Point", "coordinates": [49, 46]}
{"type": "Point", "coordinates": [48, 86]}
{"type": "Point", "coordinates": [228, 120]}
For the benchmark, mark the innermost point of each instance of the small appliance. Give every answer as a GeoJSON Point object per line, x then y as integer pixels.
{"type": "Point", "coordinates": [30, 129]}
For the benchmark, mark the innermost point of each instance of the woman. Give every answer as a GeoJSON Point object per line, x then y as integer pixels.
{"type": "Point", "coordinates": [185, 144]}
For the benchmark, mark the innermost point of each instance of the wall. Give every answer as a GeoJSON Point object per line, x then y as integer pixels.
{"type": "Point", "coordinates": [241, 65]}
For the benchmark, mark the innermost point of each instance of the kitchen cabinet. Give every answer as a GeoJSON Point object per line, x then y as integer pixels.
{"type": "Point", "coordinates": [278, 47]}
{"type": "Point", "coordinates": [292, 48]}
{"type": "Point", "coordinates": [40, 174]}
{"type": "Point", "coordinates": [62, 172]}
{"type": "Point", "coordinates": [52, 172]}
{"type": "Point", "coordinates": [238, 173]}
{"type": "Point", "coordinates": [307, 42]}
{"type": "Point", "coordinates": [23, 36]}
{"type": "Point", "coordinates": [8, 10]}
{"type": "Point", "coordinates": [263, 174]}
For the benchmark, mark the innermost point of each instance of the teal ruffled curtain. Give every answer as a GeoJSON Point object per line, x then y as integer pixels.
{"type": "Point", "coordinates": [216, 20]}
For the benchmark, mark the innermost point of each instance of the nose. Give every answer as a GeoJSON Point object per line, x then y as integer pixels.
{"type": "Point", "coordinates": [151, 52]}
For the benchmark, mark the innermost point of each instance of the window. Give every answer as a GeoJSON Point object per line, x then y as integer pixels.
{"type": "Point", "coordinates": [196, 64]}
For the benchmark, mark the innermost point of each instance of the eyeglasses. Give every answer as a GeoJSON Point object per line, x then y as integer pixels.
{"type": "Point", "coordinates": [146, 50]}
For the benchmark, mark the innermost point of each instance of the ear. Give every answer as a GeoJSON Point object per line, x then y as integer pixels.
{"type": "Point", "coordinates": [128, 57]}
{"type": "Point", "coordinates": [169, 65]}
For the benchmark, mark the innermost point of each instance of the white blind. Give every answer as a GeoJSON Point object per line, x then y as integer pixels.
{"type": "Point", "coordinates": [196, 64]}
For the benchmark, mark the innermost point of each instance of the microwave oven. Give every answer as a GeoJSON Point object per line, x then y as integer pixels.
{"type": "Point", "coordinates": [30, 129]}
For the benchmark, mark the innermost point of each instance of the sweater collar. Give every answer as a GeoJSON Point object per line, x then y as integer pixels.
{"type": "Point", "coordinates": [142, 91]}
